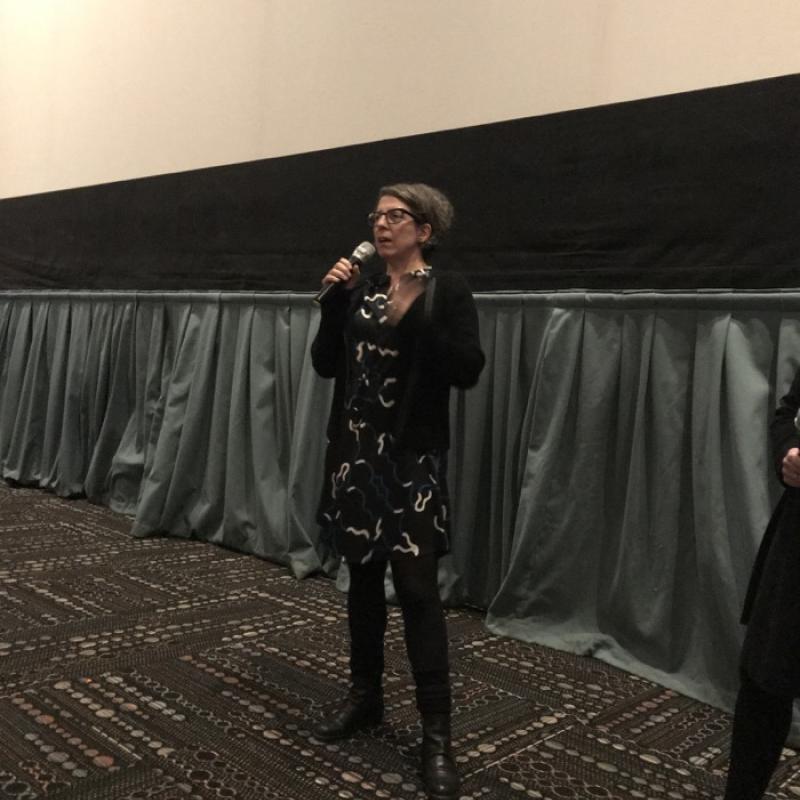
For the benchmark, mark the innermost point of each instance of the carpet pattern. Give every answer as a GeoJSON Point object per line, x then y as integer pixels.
{"type": "Point", "coordinates": [166, 668]}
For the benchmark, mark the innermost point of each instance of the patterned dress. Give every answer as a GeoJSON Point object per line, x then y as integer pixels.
{"type": "Point", "coordinates": [381, 502]}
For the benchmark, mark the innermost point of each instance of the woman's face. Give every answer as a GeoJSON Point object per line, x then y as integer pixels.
{"type": "Point", "coordinates": [397, 240]}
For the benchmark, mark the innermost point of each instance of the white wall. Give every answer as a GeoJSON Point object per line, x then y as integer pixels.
{"type": "Point", "coordinates": [101, 90]}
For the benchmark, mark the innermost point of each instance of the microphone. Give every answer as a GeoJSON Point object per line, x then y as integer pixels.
{"type": "Point", "coordinates": [357, 258]}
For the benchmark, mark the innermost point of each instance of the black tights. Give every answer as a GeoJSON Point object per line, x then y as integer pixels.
{"type": "Point", "coordinates": [417, 587]}
{"type": "Point", "coordinates": [761, 723]}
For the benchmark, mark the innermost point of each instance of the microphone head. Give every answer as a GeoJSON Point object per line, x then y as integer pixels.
{"type": "Point", "coordinates": [362, 253]}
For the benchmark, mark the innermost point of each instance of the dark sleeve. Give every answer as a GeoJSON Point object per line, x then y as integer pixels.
{"type": "Point", "coordinates": [451, 342]}
{"type": "Point", "coordinates": [328, 345]}
{"type": "Point", "coordinates": [783, 434]}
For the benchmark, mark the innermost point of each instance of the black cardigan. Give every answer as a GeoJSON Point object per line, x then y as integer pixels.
{"type": "Point", "coordinates": [444, 350]}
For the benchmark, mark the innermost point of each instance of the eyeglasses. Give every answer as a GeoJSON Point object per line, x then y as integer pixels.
{"type": "Point", "coordinates": [393, 216]}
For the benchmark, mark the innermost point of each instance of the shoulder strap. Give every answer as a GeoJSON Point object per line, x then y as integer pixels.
{"type": "Point", "coordinates": [429, 292]}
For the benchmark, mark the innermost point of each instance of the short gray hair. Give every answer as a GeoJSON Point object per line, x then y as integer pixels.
{"type": "Point", "coordinates": [427, 203]}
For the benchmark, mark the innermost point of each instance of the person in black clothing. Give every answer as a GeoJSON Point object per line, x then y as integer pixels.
{"type": "Point", "coordinates": [395, 343]}
{"type": "Point", "coordinates": [770, 662]}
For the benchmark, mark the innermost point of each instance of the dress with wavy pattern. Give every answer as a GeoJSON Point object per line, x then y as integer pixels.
{"type": "Point", "coordinates": [381, 502]}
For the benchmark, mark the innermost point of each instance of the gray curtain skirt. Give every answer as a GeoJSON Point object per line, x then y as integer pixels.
{"type": "Point", "coordinates": [610, 473]}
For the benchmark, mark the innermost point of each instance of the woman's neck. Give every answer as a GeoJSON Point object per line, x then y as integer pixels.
{"type": "Point", "coordinates": [396, 269]}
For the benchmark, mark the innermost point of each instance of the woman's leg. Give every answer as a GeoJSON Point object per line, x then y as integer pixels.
{"type": "Point", "coordinates": [417, 585]}
{"type": "Point", "coordinates": [761, 723]}
{"type": "Point", "coordinates": [416, 582]}
{"type": "Point", "coordinates": [366, 617]}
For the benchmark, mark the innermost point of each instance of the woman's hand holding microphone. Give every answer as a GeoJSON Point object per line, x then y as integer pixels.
{"type": "Point", "coordinates": [790, 468]}
{"type": "Point", "coordinates": [346, 271]}
{"type": "Point", "coordinates": [342, 272]}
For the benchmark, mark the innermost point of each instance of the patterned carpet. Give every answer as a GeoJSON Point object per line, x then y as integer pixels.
{"type": "Point", "coordinates": [165, 668]}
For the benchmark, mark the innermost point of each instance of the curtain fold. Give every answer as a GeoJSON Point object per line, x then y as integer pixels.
{"type": "Point", "coordinates": [610, 473]}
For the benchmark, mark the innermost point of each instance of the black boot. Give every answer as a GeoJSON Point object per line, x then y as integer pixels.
{"type": "Point", "coordinates": [362, 709]}
{"type": "Point", "coordinates": [439, 773]}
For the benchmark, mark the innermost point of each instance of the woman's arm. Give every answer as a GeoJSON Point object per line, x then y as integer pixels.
{"type": "Point", "coordinates": [328, 345]}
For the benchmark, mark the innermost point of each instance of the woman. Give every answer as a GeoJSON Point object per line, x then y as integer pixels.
{"type": "Point", "coordinates": [770, 664]}
{"type": "Point", "coordinates": [395, 343]}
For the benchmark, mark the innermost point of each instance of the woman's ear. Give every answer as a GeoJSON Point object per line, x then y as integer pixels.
{"type": "Point", "coordinates": [424, 232]}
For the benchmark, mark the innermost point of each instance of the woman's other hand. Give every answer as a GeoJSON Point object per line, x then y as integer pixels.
{"type": "Point", "coordinates": [791, 468]}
